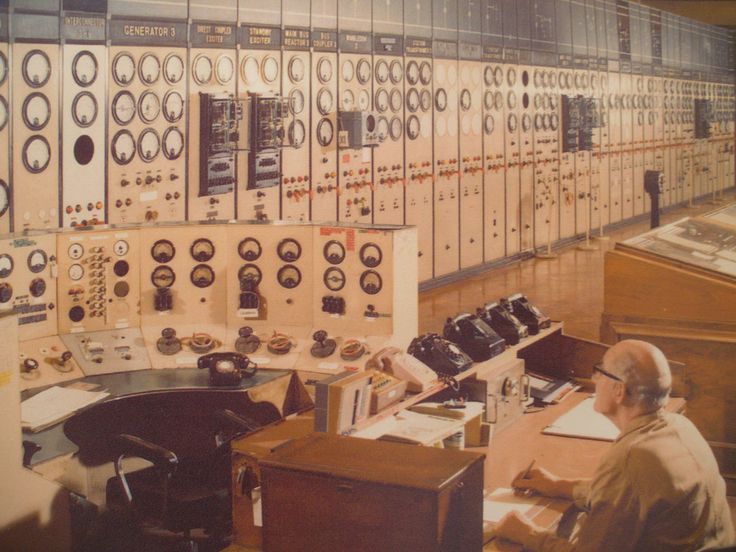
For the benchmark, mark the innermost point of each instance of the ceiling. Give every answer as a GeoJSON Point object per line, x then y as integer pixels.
{"type": "Point", "coordinates": [714, 12]}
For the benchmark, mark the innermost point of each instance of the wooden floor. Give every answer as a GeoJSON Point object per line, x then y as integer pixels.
{"type": "Point", "coordinates": [568, 288]}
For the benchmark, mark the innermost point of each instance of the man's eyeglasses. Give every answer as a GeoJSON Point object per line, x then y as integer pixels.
{"type": "Point", "coordinates": [599, 368]}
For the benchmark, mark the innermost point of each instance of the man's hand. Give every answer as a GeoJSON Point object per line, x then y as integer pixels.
{"type": "Point", "coordinates": [514, 527]}
{"type": "Point", "coordinates": [539, 480]}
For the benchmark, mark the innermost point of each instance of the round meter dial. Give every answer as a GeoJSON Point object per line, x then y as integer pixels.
{"type": "Point", "coordinates": [84, 109]}
{"type": "Point", "coordinates": [173, 106]}
{"type": "Point", "coordinates": [324, 101]}
{"type": "Point", "coordinates": [163, 277]}
{"type": "Point", "coordinates": [84, 68]}
{"type": "Point", "coordinates": [296, 101]}
{"type": "Point", "coordinates": [489, 124]}
{"type": "Point", "coordinates": [173, 143]}
{"type": "Point", "coordinates": [526, 122]}
{"type": "Point", "coordinates": [324, 70]}
{"type": "Point", "coordinates": [123, 147]}
{"type": "Point", "coordinates": [488, 100]}
{"type": "Point", "coordinates": [202, 250]}
{"type": "Point", "coordinates": [149, 68]}
{"type": "Point", "coordinates": [249, 249]}
{"type": "Point", "coordinates": [3, 67]}
{"type": "Point", "coordinates": [425, 73]}
{"type": "Point", "coordinates": [75, 251]}
{"type": "Point", "coordinates": [347, 71]}
{"type": "Point", "coordinates": [249, 70]}
{"type": "Point", "coordinates": [511, 99]}
{"type": "Point", "coordinates": [412, 73]}
{"type": "Point", "coordinates": [364, 100]}
{"type": "Point", "coordinates": [363, 70]}
{"type": "Point", "coordinates": [465, 99]}
{"type": "Point", "coordinates": [149, 145]}
{"type": "Point", "coordinates": [4, 197]}
{"type": "Point", "coordinates": [395, 128]}
{"type": "Point", "coordinates": [270, 69]}
{"type": "Point", "coordinates": [371, 255]}
{"type": "Point", "coordinates": [37, 260]}
{"type": "Point", "coordinates": [163, 251]}
{"type": "Point", "coordinates": [3, 113]}
{"type": "Point", "coordinates": [123, 68]}
{"type": "Point", "coordinates": [395, 100]}
{"type": "Point", "coordinates": [202, 69]}
{"type": "Point", "coordinates": [76, 272]}
{"type": "Point", "coordinates": [382, 128]}
{"type": "Point", "coordinates": [36, 68]}
{"type": "Point", "coordinates": [440, 99]}
{"type": "Point", "coordinates": [425, 100]}
{"type": "Point", "coordinates": [382, 72]}
{"type": "Point", "coordinates": [123, 107]}
{"type": "Point", "coordinates": [149, 106]}
{"type": "Point", "coordinates": [173, 68]}
{"type": "Point", "coordinates": [121, 248]}
{"type": "Point", "coordinates": [512, 123]}
{"type": "Point", "coordinates": [36, 111]}
{"type": "Point", "coordinates": [396, 72]}
{"type": "Point", "coordinates": [296, 70]}
{"type": "Point", "coordinates": [381, 100]}
{"type": "Point", "coordinates": [297, 133]}
{"type": "Point", "coordinates": [6, 265]}
{"type": "Point", "coordinates": [413, 127]}
{"type": "Point", "coordinates": [412, 100]}
{"type": "Point", "coordinates": [36, 154]}
{"type": "Point", "coordinates": [334, 279]}
{"type": "Point", "coordinates": [224, 69]}
{"type": "Point", "coordinates": [371, 282]}
{"type": "Point", "coordinates": [289, 250]}
{"type": "Point", "coordinates": [289, 276]}
{"type": "Point", "coordinates": [348, 100]}
{"type": "Point", "coordinates": [334, 252]}
{"type": "Point", "coordinates": [325, 132]}
{"type": "Point", "coordinates": [250, 273]}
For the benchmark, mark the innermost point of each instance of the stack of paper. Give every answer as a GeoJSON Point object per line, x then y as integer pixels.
{"type": "Point", "coordinates": [584, 422]}
{"type": "Point", "coordinates": [502, 501]}
{"type": "Point", "coordinates": [55, 404]}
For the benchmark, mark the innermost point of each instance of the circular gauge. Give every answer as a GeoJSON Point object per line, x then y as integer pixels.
{"type": "Point", "coordinates": [396, 72]}
{"type": "Point", "coordinates": [382, 71]}
{"type": "Point", "coordinates": [123, 68]}
{"type": "Point", "coordinates": [149, 106]}
{"type": "Point", "coordinates": [395, 128]}
{"type": "Point", "coordinates": [121, 248]}
{"type": "Point", "coordinates": [488, 75]}
{"type": "Point", "coordinates": [202, 250]}
{"type": "Point", "coordinates": [498, 100]}
{"type": "Point", "coordinates": [370, 255]}
{"type": "Point", "coordinates": [149, 68]}
{"type": "Point", "coordinates": [465, 99]}
{"type": "Point", "coordinates": [84, 68]}
{"type": "Point", "coordinates": [412, 100]}
{"type": "Point", "coordinates": [6, 265]}
{"type": "Point", "coordinates": [538, 123]}
{"type": "Point", "coordinates": [250, 273]}
{"type": "Point", "coordinates": [497, 76]}
{"type": "Point", "coordinates": [202, 69]}
{"type": "Point", "coordinates": [578, 80]}
{"type": "Point", "coordinates": [546, 120]}
{"type": "Point", "coordinates": [296, 69]}
{"type": "Point", "coordinates": [249, 70]}
{"type": "Point", "coordinates": [382, 100]}
{"type": "Point", "coordinates": [554, 121]}
{"type": "Point", "coordinates": [334, 252]}
{"type": "Point", "coordinates": [149, 145]}
{"type": "Point", "coordinates": [324, 101]}
{"type": "Point", "coordinates": [526, 122]}
{"type": "Point", "coordinates": [173, 143]}
{"type": "Point", "coordinates": [538, 78]}
{"type": "Point", "coordinates": [3, 67]}
{"type": "Point", "coordinates": [3, 113]}
{"type": "Point", "coordinates": [371, 282]}
{"type": "Point", "coordinates": [547, 102]}
{"type": "Point", "coordinates": [325, 132]}
{"type": "Point", "coordinates": [363, 70]}
{"type": "Point", "coordinates": [511, 76]}
{"type": "Point", "coordinates": [382, 128]}
{"type": "Point", "coordinates": [324, 70]}
{"type": "Point", "coordinates": [173, 105]}
{"type": "Point", "coordinates": [297, 134]}
{"type": "Point", "coordinates": [84, 109]}
{"type": "Point", "coordinates": [163, 277]}
{"type": "Point", "coordinates": [123, 147]}
{"type": "Point", "coordinates": [348, 100]}
{"type": "Point", "coordinates": [640, 118]}
{"type": "Point", "coordinates": [270, 69]}
{"type": "Point", "coordinates": [538, 101]}
{"type": "Point", "coordinates": [37, 260]}
{"type": "Point", "coordinates": [412, 73]}
{"type": "Point", "coordinates": [395, 100]}
{"type": "Point", "coordinates": [249, 249]}
{"type": "Point", "coordinates": [289, 276]}
{"type": "Point", "coordinates": [364, 100]}
{"type": "Point", "coordinates": [296, 101]}
{"type": "Point", "coordinates": [163, 251]}
{"type": "Point", "coordinates": [347, 71]}
{"type": "Point", "coordinates": [440, 99]}
{"type": "Point", "coordinates": [334, 279]}
{"type": "Point", "coordinates": [512, 123]}
{"type": "Point", "coordinates": [76, 272]}
{"type": "Point", "coordinates": [489, 124]}
{"type": "Point", "coordinates": [289, 250]}
{"type": "Point", "coordinates": [36, 154]}
{"type": "Point", "coordinates": [552, 79]}
{"type": "Point", "coordinates": [425, 100]}
{"type": "Point", "coordinates": [511, 99]}
{"type": "Point", "coordinates": [425, 73]}
{"type": "Point", "coordinates": [123, 107]}
{"type": "Point", "coordinates": [75, 251]}
{"type": "Point", "coordinates": [173, 68]}
{"type": "Point", "coordinates": [413, 127]}
{"type": "Point", "coordinates": [37, 287]}
{"type": "Point", "coordinates": [4, 197]}
{"type": "Point", "coordinates": [224, 69]}
{"type": "Point", "coordinates": [36, 68]}
{"type": "Point", "coordinates": [36, 111]}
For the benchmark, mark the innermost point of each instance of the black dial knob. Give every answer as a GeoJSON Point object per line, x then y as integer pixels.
{"type": "Point", "coordinates": [319, 336]}
{"type": "Point", "coordinates": [245, 331]}
{"type": "Point", "coordinates": [30, 364]}
{"type": "Point", "coordinates": [168, 333]}
{"type": "Point", "coordinates": [6, 292]}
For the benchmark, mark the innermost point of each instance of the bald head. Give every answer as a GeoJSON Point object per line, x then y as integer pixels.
{"type": "Point", "coordinates": [644, 369]}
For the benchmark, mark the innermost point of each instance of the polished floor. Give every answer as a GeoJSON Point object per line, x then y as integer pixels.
{"type": "Point", "coordinates": [567, 288]}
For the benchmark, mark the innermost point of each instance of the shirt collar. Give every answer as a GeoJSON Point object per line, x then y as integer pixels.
{"type": "Point", "coordinates": [640, 421]}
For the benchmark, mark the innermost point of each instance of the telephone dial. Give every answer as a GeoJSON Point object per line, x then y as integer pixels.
{"type": "Point", "coordinates": [227, 369]}
{"type": "Point", "coordinates": [441, 355]}
{"type": "Point", "coordinates": [528, 314]}
{"type": "Point", "coordinates": [474, 336]}
{"type": "Point", "coordinates": [503, 322]}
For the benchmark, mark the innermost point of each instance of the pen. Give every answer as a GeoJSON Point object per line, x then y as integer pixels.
{"type": "Point", "coordinates": [526, 472]}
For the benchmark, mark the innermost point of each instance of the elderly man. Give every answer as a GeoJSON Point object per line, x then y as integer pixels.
{"type": "Point", "coordinates": [656, 489]}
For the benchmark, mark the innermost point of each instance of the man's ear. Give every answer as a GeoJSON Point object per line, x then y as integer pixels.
{"type": "Point", "coordinates": [619, 392]}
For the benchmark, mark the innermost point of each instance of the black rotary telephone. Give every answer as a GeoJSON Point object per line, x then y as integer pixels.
{"type": "Point", "coordinates": [521, 308]}
{"type": "Point", "coordinates": [442, 356]}
{"type": "Point", "coordinates": [227, 369]}
{"type": "Point", "coordinates": [474, 336]}
{"type": "Point", "coordinates": [503, 322]}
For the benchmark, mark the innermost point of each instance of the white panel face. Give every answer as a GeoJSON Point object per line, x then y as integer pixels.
{"type": "Point", "coordinates": [35, 123]}
{"type": "Point", "coordinates": [510, 91]}
{"type": "Point", "coordinates": [566, 82]}
{"type": "Point", "coordinates": [638, 88]}
{"type": "Point", "coordinates": [600, 162]}
{"type": "Point", "coordinates": [5, 125]}
{"type": "Point", "coordinates": [324, 136]}
{"type": "Point", "coordinates": [525, 90]}
{"type": "Point", "coordinates": [494, 131]}
{"type": "Point", "coordinates": [613, 104]}
{"type": "Point", "coordinates": [583, 202]}
{"type": "Point", "coordinates": [147, 134]}
{"type": "Point", "coordinates": [83, 131]}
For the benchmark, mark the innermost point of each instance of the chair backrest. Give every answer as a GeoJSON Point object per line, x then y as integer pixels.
{"type": "Point", "coordinates": [181, 420]}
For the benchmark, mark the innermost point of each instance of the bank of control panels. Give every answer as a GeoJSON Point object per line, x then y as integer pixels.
{"type": "Point", "coordinates": [302, 296]}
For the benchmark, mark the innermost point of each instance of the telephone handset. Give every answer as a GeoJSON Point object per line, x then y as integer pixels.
{"type": "Point", "coordinates": [419, 376]}
{"type": "Point", "coordinates": [503, 322]}
{"type": "Point", "coordinates": [521, 308]}
{"type": "Point", "coordinates": [474, 336]}
{"type": "Point", "coordinates": [441, 355]}
{"type": "Point", "coordinates": [227, 369]}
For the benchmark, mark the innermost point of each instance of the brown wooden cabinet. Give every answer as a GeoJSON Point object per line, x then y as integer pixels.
{"type": "Point", "coordinates": [326, 492]}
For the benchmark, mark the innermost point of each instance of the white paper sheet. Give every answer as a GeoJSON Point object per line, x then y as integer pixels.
{"type": "Point", "coordinates": [502, 501]}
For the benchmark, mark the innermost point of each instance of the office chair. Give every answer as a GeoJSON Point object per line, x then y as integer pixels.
{"type": "Point", "coordinates": [185, 434]}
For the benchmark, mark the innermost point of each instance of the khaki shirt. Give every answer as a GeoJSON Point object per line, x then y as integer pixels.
{"type": "Point", "coordinates": [656, 489]}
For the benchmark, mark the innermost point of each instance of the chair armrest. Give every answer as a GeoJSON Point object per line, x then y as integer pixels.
{"type": "Point", "coordinates": [162, 458]}
{"type": "Point", "coordinates": [228, 419]}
